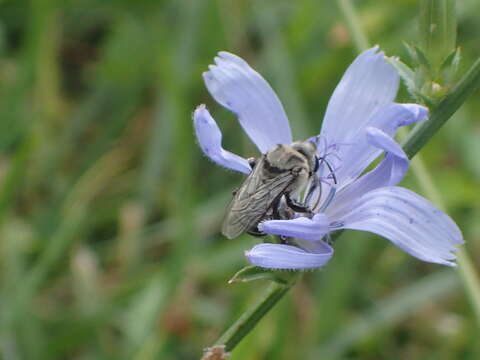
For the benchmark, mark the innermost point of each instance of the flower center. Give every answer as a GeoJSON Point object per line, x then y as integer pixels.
{"type": "Point", "coordinates": [323, 185]}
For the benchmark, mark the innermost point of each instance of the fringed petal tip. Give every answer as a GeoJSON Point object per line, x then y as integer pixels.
{"type": "Point", "coordinates": [209, 138]}
{"type": "Point", "coordinates": [243, 91]}
{"type": "Point", "coordinates": [447, 258]}
{"type": "Point", "coordinates": [418, 113]}
{"type": "Point", "coordinates": [227, 56]}
{"type": "Point", "coordinates": [406, 219]}
{"type": "Point", "coordinates": [287, 257]}
{"type": "Point", "coordinates": [374, 50]}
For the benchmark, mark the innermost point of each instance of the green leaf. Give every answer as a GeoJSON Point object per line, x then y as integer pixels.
{"type": "Point", "coordinates": [411, 52]}
{"type": "Point", "coordinates": [407, 74]}
{"type": "Point", "coordinates": [422, 59]}
{"type": "Point", "coordinates": [422, 133]}
{"type": "Point", "coordinates": [450, 66]}
{"type": "Point", "coordinates": [411, 80]}
{"type": "Point", "coordinates": [452, 61]}
{"type": "Point", "coordinates": [252, 273]}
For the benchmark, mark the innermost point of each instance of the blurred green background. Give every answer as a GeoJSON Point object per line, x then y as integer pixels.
{"type": "Point", "coordinates": [110, 214]}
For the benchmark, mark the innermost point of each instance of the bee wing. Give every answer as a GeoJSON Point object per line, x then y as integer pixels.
{"type": "Point", "coordinates": [253, 199]}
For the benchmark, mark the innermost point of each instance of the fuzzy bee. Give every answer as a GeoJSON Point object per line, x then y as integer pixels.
{"type": "Point", "coordinates": [277, 178]}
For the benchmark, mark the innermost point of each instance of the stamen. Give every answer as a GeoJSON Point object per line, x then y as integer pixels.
{"type": "Point", "coordinates": [314, 191]}
{"type": "Point", "coordinates": [317, 201]}
{"type": "Point", "coordinates": [313, 185]}
{"type": "Point", "coordinates": [329, 199]}
{"type": "Point", "coordinates": [332, 172]}
{"type": "Point", "coordinates": [336, 224]}
{"type": "Point", "coordinates": [323, 180]}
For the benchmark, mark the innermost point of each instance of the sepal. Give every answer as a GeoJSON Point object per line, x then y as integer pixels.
{"type": "Point", "coordinates": [252, 273]}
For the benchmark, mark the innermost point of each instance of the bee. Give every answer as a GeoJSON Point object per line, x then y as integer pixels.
{"type": "Point", "coordinates": [277, 178]}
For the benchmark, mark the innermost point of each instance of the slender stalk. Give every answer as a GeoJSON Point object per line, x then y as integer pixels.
{"type": "Point", "coordinates": [253, 315]}
{"type": "Point", "coordinates": [358, 36]}
{"type": "Point", "coordinates": [470, 280]}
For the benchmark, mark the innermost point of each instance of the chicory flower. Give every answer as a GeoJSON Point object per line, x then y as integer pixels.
{"type": "Point", "coordinates": [359, 125]}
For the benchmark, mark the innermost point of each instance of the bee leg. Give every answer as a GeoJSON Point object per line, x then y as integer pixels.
{"type": "Point", "coordinates": [255, 232]}
{"type": "Point", "coordinates": [252, 162]}
{"type": "Point", "coordinates": [295, 206]}
{"type": "Point", "coordinates": [281, 211]}
{"type": "Point", "coordinates": [276, 208]}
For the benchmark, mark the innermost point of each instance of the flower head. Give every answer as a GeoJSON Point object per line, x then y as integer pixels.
{"type": "Point", "coordinates": [359, 125]}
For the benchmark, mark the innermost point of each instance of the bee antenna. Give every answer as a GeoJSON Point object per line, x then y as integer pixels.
{"type": "Point", "coordinates": [330, 168]}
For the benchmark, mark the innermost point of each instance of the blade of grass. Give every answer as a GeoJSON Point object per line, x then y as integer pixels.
{"type": "Point", "coordinates": [388, 312]}
{"type": "Point", "coordinates": [75, 212]}
{"type": "Point", "coordinates": [467, 271]}
{"type": "Point", "coordinates": [355, 29]}
{"type": "Point", "coordinates": [174, 82]}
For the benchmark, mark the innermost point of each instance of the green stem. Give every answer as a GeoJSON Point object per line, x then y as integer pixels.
{"type": "Point", "coordinates": [470, 280]}
{"type": "Point", "coordinates": [254, 314]}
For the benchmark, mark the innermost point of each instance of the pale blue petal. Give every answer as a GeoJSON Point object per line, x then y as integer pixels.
{"type": "Point", "coordinates": [389, 172]}
{"type": "Point", "coordinates": [360, 153]}
{"type": "Point", "coordinates": [210, 140]}
{"type": "Point", "coordinates": [396, 115]}
{"type": "Point", "coordinates": [407, 220]}
{"type": "Point", "coordinates": [239, 88]}
{"type": "Point", "coordinates": [301, 227]}
{"type": "Point", "coordinates": [287, 257]}
{"type": "Point", "coordinates": [369, 84]}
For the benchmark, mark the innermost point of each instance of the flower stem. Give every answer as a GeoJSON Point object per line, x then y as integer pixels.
{"type": "Point", "coordinates": [470, 280]}
{"type": "Point", "coordinates": [252, 316]}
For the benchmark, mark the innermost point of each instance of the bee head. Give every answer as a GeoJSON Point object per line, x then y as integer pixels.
{"type": "Point", "coordinates": [308, 149]}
